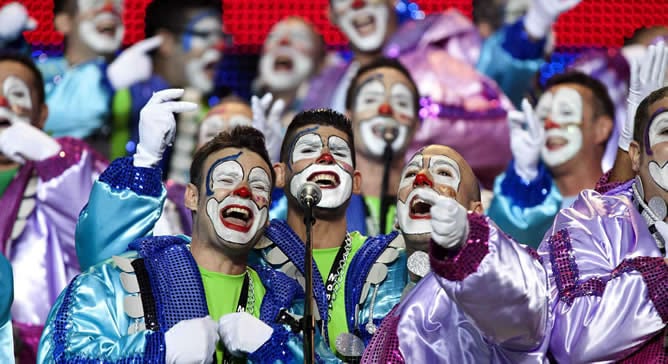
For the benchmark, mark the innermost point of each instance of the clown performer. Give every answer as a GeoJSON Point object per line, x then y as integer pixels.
{"type": "Point", "coordinates": [43, 186]}
{"type": "Point", "coordinates": [190, 36]}
{"type": "Point", "coordinates": [173, 300]}
{"type": "Point", "coordinates": [557, 156]}
{"type": "Point", "coordinates": [447, 59]}
{"type": "Point", "coordinates": [355, 278]}
{"type": "Point", "coordinates": [82, 79]}
{"type": "Point", "coordinates": [383, 103]}
{"type": "Point", "coordinates": [292, 53]}
{"type": "Point", "coordinates": [6, 298]}
{"type": "Point", "coordinates": [485, 300]}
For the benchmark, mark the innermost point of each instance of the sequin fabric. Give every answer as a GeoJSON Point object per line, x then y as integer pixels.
{"type": "Point", "coordinates": [652, 352]}
{"type": "Point", "coordinates": [384, 346]}
{"type": "Point", "coordinates": [70, 154]}
{"type": "Point", "coordinates": [123, 175]}
{"type": "Point", "coordinates": [280, 233]}
{"type": "Point", "coordinates": [358, 270]}
{"type": "Point", "coordinates": [526, 194]}
{"type": "Point", "coordinates": [61, 330]}
{"type": "Point", "coordinates": [603, 185]}
{"type": "Point", "coordinates": [466, 261]}
{"type": "Point", "coordinates": [175, 279]}
{"type": "Point", "coordinates": [534, 254]}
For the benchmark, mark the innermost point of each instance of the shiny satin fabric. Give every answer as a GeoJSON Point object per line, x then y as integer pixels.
{"type": "Point", "coordinates": [6, 343]}
{"type": "Point", "coordinates": [82, 88]}
{"type": "Point", "coordinates": [111, 220]}
{"type": "Point", "coordinates": [6, 298]}
{"type": "Point", "coordinates": [604, 230]}
{"type": "Point", "coordinates": [527, 225]}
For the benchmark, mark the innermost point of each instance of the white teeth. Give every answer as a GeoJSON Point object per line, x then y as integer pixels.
{"type": "Point", "coordinates": [244, 212]}
{"type": "Point", "coordinates": [325, 177]}
{"type": "Point", "coordinates": [416, 201]}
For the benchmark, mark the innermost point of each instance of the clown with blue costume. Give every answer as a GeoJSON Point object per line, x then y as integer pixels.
{"type": "Point", "coordinates": [172, 299]}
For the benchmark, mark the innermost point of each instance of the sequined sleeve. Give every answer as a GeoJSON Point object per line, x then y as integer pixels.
{"type": "Point", "coordinates": [124, 205]}
{"type": "Point", "coordinates": [500, 284]}
{"type": "Point", "coordinates": [608, 280]}
{"type": "Point", "coordinates": [525, 210]}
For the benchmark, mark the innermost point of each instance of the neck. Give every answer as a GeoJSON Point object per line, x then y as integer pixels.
{"type": "Point", "coordinates": [213, 259]}
{"type": "Point", "coordinates": [7, 166]}
{"type": "Point", "coordinates": [580, 178]}
{"type": "Point", "coordinates": [324, 233]}
{"type": "Point", "coordinates": [364, 58]}
{"type": "Point", "coordinates": [77, 53]}
{"type": "Point", "coordinates": [373, 175]}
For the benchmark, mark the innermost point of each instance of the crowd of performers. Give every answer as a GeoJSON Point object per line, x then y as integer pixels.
{"type": "Point", "coordinates": [469, 213]}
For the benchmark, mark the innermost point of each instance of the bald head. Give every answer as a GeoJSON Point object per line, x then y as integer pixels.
{"type": "Point", "coordinates": [469, 189]}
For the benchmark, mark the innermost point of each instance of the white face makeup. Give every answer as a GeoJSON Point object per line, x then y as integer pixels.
{"type": "Point", "coordinates": [335, 179]}
{"type": "Point", "coordinates": [288, 56]}
{"type": "Point", "coordinates": [242, 212]}
{"type": "Point", "coordinates": [382, 108]}
{"type": "Point", "coordinates": [103, 30]}
{"type": "Point", "coordinates": [214, 124]}
{"type": "Point", "coordinates": [658, 133]}
{"type": "Point", "coordinates": [562, 114]}
{"type": "Point", "coordinates": [365, 27]}
{"type": "Point", "coordinates": [202, 39]}
{"type": "Point", "coordinates": [413, 211]}
{"type": "Point", "coordinates": [18, 102]}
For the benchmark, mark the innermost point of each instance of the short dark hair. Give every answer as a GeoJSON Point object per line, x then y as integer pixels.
{"type": "Point", "coordinates": [64, 6]}
{"type": "Point", "coordinates": [642, 114]}
{"type": "Point", "coordinates": [29, 64]}
{"type": "Point", "coordinates": [239, 137]}
{"type": "Point", "coordinates": [322, 117]}
{"type": "Point", "coordinates": [172, 14]}
{"type": "Point", "coordinates": [381, 62]}
{"type": "Point", "coordinates": [603, 105]}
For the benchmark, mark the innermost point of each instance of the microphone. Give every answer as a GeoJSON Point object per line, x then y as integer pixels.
{"type": "Point", "coordinates": [309, 195]}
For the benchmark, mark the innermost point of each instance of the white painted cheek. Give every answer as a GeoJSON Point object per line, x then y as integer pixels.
{"type": "Point", "coordinates": [567, 106]}
{"type": "Point", "coordinates": [656, 130]}
{"type": "Point", "coordinates": [402, 100]}
{"type": "Point", "coordinates": [659, 173]}
{"type": "Point", "coordinates": [402, 138]}
{"type": "Point", "coordinates": [213, 212]}
{"type": "Point", "coordinates": [446, 181]}
{"type": "Point", "coordinates": [17, 92]}
{"type": "Point", "coordinates": [567, 152]}
{"type": "Point", "coordinates": [369, 97]}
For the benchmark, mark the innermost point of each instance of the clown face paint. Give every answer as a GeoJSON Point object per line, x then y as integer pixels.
{"type": "Point", "coordinates": [384, 107]}
{"type": "Point", "coordinates": [366, 25]}
{"type": "Point", "coordinates": [331, 169]}
{"type": "Point", "coordinates": [288, 55]}
{"type": "Point", "coordinates": [561, 112]}
{"type": "Point", "coordinates": [101, 27]}
{"type": "Point", "coordinates": [237, 201]}
{"type": "Point", "coordinates": [419, 186]}
{"type": "Point", "coordinates": [658, 133]}
{"type": "Point", "coordinates": [201, 38]}
{"type": "Point", "coordinates": [15, 102]}
{"type": "Point", "coordinates": [226, 116]}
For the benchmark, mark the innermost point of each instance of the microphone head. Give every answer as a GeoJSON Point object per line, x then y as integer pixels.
{"type": "Point", "coordinates": [309, 194]}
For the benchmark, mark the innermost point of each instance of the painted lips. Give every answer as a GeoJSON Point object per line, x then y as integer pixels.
{"type": "Point", "coordinates": [419, 209]}
{"type": "Point", "coordinates": [237, 217]}
{"type": "Point", "coordinates": [325, 180]}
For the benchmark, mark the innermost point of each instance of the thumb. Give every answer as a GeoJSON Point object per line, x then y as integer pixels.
{"type": "Point", "coordinates": [147, 44]}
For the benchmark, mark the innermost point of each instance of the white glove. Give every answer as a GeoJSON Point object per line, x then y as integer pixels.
{"type": "Point", "coordinates": [449, 223]}
{"type": "Point", "coordinates": [22, 142]}
{"type": "Point", "coordinates": [191, 341]}
{"type": "Point", "coordinates": [269, 123]}
{"type": "Point", "coordinates": [543, 13]}
{"type": "Point", "coordinates": [526, 145]}
{"type": "Point", "coordinates": [646, 77]}
{"type": "Point", "coordinates": [133, 64]}
{"type": "Point", "coordinates": [243, 333]}
{"type": "Point", "coordinates": [14, 20]}
{"type": "Point", "coordinates": [157, 126]}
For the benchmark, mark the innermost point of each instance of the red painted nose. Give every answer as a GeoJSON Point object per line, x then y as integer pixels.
{"type": "Point", "coordinates": [109, 6]}
{"type": "Point", "coordinates": [3, 102]}
{"type": "Point", "coordinates": [357, 4]}
{"type": "Point", "coordinates": [242, 192]}
{"type": "Point", "coordinates": [284, 42]}
{"type": "Point", "coordinates": [422, 180]}
{"type": "Point", "coordinates": [325, 158]}
{"type": "Point", "coordinates": [549, 124]}
{"type": "Point", "coordinates": [385, 109]}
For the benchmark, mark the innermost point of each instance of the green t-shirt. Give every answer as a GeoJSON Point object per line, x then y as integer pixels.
{"type": "Point", "coordinates": [373, 204]}
{"type": "Point", "coordinates": [222, 296]}
{"type": "Point", "coordinates": [6, 178]}
{"type": "Point", "coordinates": [323, 260]}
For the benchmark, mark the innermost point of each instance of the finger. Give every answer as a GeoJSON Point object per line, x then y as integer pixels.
{"type": "Point", "coordinates": [533, 126]}
{"type": "Point", "coordinates": [266, 100]}
{"type": "Point", "coordinates": [180, 106]}
{"type": "Point", "coordinates": [646, 67]}
{"type": "Point", "coordinates": [568, 5]}
{"type": "Point", "coordinates": [635, 69]}
{"type": "Point", "coordinates": [165, 95]}
{"type": "Point", "coordinates": [656, 64]}
{"type": "Point", "coordinates": [276, 110]}
{"type": "Point", "coordinates": [148, 44]}
{"type": "Point", "coordinates": [663, 65]}
{"type": "Point", "coordinates": [515, 119]}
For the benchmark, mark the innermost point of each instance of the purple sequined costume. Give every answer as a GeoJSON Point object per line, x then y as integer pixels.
{"type": "Point", "coordinates": [39, 212]}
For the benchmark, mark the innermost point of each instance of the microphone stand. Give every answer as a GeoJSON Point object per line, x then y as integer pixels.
{"type": "Point", "coordinates": [387, 161]}
{"type": "Point", "coordinates": [309, 322]}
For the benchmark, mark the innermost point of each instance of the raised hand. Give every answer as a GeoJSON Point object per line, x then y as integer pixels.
{"type": "Point", "coordinates": [14, 20]}
{"type": "Point", "coordinates": [157, 126]}
{"type": "Point", "coordinates": [526, 144]}
{"type": "Point", "coordinates": [269, 122]}
{"type": "Point", "coordinates": [133, 64]}
{"type": "Point", "coordinates": [646, 76]}
{"type": "Point", "coordinates": [243, 333]}
{"type": "Point", "coordinates": [543, 13]}
{"type": "Point", "coordinates": [191, 341]}
{"type": "Point", "coordinates": [23, 142]}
